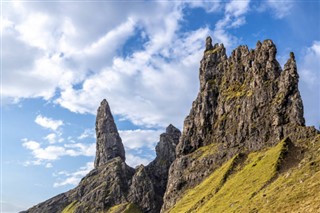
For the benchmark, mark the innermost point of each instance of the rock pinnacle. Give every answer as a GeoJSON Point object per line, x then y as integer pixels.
{"type": "Point", "coordinates": [109, 143]}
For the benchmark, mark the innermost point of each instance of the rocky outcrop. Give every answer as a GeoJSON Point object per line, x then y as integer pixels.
{"type": "Point", "coordinates": [142, 191]}
{"type": "Point", "coordinates": [103, 187]}
{"type": "Point", "coordinates": [109, 143]}
{"type": "Point", "coordinates": [246, 102]}
{"type": "Point", "coordinates": [159, 168]}
{"type": "Point", "coordinates": [149, 183]}
{"type": "Point", "coordinates": [112, 182]}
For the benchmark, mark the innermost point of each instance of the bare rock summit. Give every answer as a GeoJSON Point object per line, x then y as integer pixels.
{"type": "Point", "coordinates": [109, 143]}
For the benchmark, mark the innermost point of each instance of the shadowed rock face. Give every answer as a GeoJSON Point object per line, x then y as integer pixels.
{"type": "Point", "coordinates": [149, 183]}
{"type": "Point", "coordinates": [109, 143]}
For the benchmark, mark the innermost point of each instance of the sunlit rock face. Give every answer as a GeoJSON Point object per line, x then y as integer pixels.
{"type": "Point", "coordinates": [246, 102]}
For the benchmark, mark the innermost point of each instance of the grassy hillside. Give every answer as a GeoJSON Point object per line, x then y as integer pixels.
{"type": "Point", "coordinates": [271, 180]}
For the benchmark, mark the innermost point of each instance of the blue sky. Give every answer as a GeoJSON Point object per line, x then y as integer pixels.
{"type": "Point", "coordinates": [61, 58]}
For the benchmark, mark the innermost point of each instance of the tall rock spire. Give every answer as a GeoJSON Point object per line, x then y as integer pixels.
{"type": "Point", "coordinates": [109, 143]}
{"type": "Point", "coordinates": [290, 106]}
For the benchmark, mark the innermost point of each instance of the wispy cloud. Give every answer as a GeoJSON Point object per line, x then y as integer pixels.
{"type": "Point", "coordinates": [207, 5]}
{"type": "Point", "coordinates": [280, 8]}
{"type": "Point", "coordinates": [136, 139]}
{"type": "Point", "coordinates": [54, 138]}
{"type": "Point", "coordinates": [43, 154]}
{"type": "Point", "coordinates": [87, 133]}
{"type": "Point", "coordinates": [72, 178]}
{"type": "Point", "coordinates": [49, 165]}
{"type": "Point", "coordinates": [48, 123]}
{"type": "Point", "coordinates": [233, 18]}
{"type": "Point", "coordinates": [135, 160]}
{"type": "Point", "coordinates": [309, 71]}
{"type": "Point", "coordinates": [237, 8]}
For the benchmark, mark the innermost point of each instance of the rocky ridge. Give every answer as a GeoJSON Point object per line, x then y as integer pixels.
{"type": "Point", "coordinates": [247, 120]}
{"type": "Point", "coordinates": [112, 183]}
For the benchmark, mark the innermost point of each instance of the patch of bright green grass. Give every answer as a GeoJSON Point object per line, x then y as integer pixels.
{"type": "Point", "coordinates": [296, 190]}
{"type": "Point", "coordinates": [241, 187]}
{"type": "Point", "coordinates": [125, 208]}
{"type": "Point", "coordinates": [198, 195]}
{"type": "Point", "coordinates": [132, 208]}
{"type": "Point", "coordinates": [223, 193]}
{"type": "Point", "coordinates": [70, 208]}
{"type": "Point", "coordinates": [209, 52]}
{"type": "Point", "coordinates": [118, 208]}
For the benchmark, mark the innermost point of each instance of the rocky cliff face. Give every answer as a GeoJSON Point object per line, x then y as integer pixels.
{"type": "Point", "coordinates": [244, 100]}
{"type": "Point", "coordinates": [149, 183]}
{"type": "Point", "coordinates": [246, 103]}
{"type": "Point", "coordinates": [112, 183]}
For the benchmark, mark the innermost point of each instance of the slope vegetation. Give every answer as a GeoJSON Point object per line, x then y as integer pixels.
{"type": "Point", "coordinates": [260, 182]}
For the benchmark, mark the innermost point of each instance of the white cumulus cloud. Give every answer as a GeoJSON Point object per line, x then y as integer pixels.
{"type": "Point", "coordinates": [72, 178]}
{"type": "Point", "coordinates": [233, 18]}
{"type": "Point", "coordinates": [48, 123]}
{"type": "Point", "coordinates": [135, 160]}
{"type": "Point", "coordinates": [87, 133]}
{"type": "Point", "coordinates": [135, 139]}
{"type": "Point", "coordinates": [137, 87]}
{"type": "Point", "coordinates": [42, 154]}
{"type": "Point", "coordinates": [309, 71]}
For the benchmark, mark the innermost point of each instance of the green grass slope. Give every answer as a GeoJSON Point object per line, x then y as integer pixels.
{"type": "Point", "coordinates": [258, 183]}
{"type": "Point", "coordinates": [124, 208]}
{"type": "Point", "coordinates": [121, 208]}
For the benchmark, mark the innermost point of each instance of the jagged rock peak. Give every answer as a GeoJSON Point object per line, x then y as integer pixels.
{"type": "Point", "coordinates": [244, 99]}
{"type": "Point", "coordinates": [165, 149]}
{"type": "Point", "coordinates": [246, 103]}
{"type": "Point", "coordinates": [159, 167]}
{"type": "Point", "coordinates": [109, 143]}
{"type": "Point", "coordinates": [208, 43]}
{"type": "Point", "coordinates": [174, 132]}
